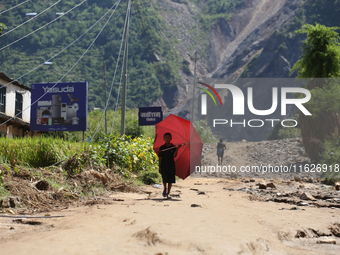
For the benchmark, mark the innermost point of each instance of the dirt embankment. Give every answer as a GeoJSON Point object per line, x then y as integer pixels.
{"type": "Point", "coordinates": [32, 191]}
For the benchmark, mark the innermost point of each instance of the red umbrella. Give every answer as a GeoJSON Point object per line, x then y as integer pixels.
{"type": "Point", "coordinates": [183, 132]}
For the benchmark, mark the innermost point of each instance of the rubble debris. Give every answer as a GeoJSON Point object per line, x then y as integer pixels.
{"type": "Point", "coordinates": [262, 185]}
{"type": "Point", "coordinates": [10, 201]}
{"type": "Point", "coordinates": [326, 241]}
{"type": "Point", "coordinates": [100, 176]}
{"type": "Point", "coordinates": [300, 234]}
{"type": "Point", "coordinates": [306, 196]}
{"type": "Point", "coordinates": [271, 185]}
{"type": "Point", "coordinates": [337, 186]}
{"type": "Point", "coordinates": [335, 229]}
{"type": "Point", "coordinates": [195, 205]}
{"type": "Point", "coordinates": [28, 222]}
{"type": "Point", "coordinates": [150, 237]}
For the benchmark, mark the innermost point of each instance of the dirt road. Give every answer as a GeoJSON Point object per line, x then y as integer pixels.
{"type": "Point", "coordinates": [208, 216]}
{"type": "Point", "coordinates": [224, 222]}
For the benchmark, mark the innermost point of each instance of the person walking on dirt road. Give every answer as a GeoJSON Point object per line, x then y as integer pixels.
{"type": "Point", "coordinates": [220, 151]}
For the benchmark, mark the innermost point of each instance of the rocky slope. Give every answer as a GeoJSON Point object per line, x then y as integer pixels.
{"type": "Point", "coordinates": [287, 153]}
{"type": "Point", "coordinates": [262, 19]}
{"type": "Point", "coordinates": [250, 34]}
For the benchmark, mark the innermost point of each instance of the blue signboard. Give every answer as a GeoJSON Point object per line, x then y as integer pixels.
{"type": "Point", "coordinates": [62, 107]}
{"type": "Point", "coordinates": [150, 115]}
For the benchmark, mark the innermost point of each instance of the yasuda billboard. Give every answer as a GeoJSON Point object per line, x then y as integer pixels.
{"type": "Point", "coordinates": [62, 107]}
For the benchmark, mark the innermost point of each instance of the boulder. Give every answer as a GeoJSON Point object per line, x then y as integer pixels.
{"type": "Point", "coordinates": [297, 179]}
{"type": "Point", "coordinates": [271, 185]}
{"type": "Point", "coordinates": [337, 186]}
{"type": "Point", "coordinates": [262, 185]}
{"type": "Point", "coordinates": [306, 196]}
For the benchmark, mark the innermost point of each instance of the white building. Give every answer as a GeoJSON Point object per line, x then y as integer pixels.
{"type": "Point", "coordinates": [14, 99]}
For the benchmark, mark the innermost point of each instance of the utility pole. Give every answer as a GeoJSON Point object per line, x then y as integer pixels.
{"type": "Point", "coordinates": [193, 91]}
{"type": "Point", "coordinates": [105, 100]}
{"type": "Point", "coordinates": [126, 31]}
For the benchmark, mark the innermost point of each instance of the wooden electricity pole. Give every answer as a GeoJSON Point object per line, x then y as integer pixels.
{"type": "Point", "coordinates": [105, 109]}
{"type": "Point", "coordinates": [193, 91]}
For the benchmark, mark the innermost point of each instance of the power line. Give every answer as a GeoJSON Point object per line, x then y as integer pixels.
{"type": "Point", "coordinates": [62, 49]}
{"type": "Point", "coordinates": [120, 83]}
{"type": "Point", "coordinates": [30, 19]}
{"type": "Point", "coordinates": [13, 7]}
{"type": "Point", "coordinates": [114, 76]}
{"type": "Point", "coordinates": [68, 70]}
{"type": "Point", "coordinates": [158, 84]}
{"type": "Point", "coordinates": [42, 26]}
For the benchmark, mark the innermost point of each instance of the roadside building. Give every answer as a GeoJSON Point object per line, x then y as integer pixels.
{"type": "Point", "coordinates": [14, 98]}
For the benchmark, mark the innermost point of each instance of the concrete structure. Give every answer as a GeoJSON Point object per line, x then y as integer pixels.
{"type": "Point", "coordinates": [14, 98]}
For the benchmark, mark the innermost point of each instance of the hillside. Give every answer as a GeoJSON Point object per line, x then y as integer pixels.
{"type": "Point", "coordinates": [257, 41]}
{"type": "Point", "coordinates": [161, 37]}
{"type": "Point", "coordinates": [152, 66]}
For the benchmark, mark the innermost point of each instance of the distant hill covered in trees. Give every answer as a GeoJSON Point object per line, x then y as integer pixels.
{"type": "Point", "coordinates": [149, 73]}
{"type": "Point", "coordinates": [154, 63]}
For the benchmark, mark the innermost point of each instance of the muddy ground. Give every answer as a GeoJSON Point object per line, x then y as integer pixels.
{"type": "Point", "coordinates": [210, 213]}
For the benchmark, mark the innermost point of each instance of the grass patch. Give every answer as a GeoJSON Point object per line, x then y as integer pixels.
{"type": "Point", "coordinates": [3, 191]}
{"type": "Point", "coordinates": [37, 151]}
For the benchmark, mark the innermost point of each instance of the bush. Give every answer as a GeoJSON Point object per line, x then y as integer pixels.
{"type": "Point", "coordinates": [279, 132]}
{"type": "Point", "coordinates": [331, 156]}
{"type": "Point", "coordinates": [150, 177]}
{"type": "Point", "coordinates": [204, 131]}
{"type": "Point", "coordinates": [135, 154]}
{"type": "Point", "coordinates": [289, 132]}
{"type": "Point", "coordinates": [274, 134]}
{"type": "Point", "coordinates": [133, 129]}
{"type": "Point", "coordinates": [186, 68]}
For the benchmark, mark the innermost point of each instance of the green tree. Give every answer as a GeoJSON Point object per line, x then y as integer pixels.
{"type": "Point", "coordinates": [204, 131]}
{"type": "Point", "coordinates": [320, 58]}
{"type": "Point", "coordinates": [2, 26]}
